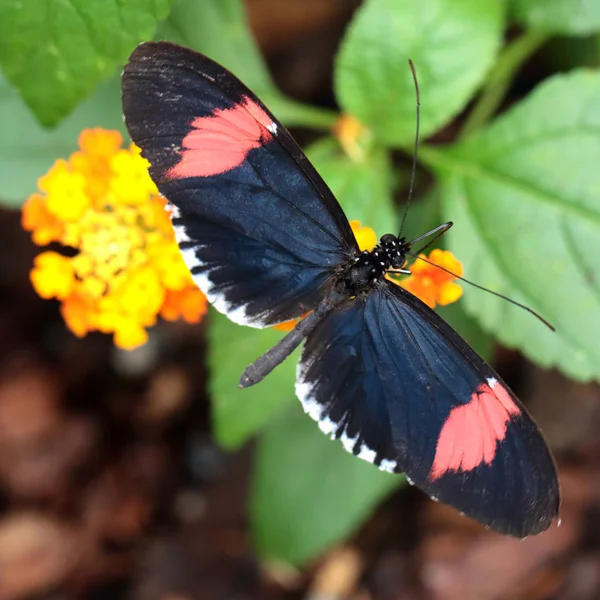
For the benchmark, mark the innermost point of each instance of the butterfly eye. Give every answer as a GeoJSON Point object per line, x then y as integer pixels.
{"type": "Point", "coordinates": [388, 240]}
{"type": "Point", "coordinates": [398, 261]}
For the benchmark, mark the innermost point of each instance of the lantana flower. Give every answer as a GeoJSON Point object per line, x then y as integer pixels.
{"type": "Point", "coordinates": [127, 268]}
{"type": "Point", "coordinates": [432, 285]}
{"type": "Point", "coordinates": [352, 136]}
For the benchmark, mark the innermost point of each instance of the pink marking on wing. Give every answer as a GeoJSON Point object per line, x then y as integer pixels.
{"type": "Point", "coordinates": [258, 113]}
{"type": "Point", "coordinates": [221, 141]}
{"type": "Point", "coordinates": [470, 434]}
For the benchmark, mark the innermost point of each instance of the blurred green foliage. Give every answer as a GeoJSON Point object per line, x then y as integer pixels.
{"type": "Point", "coordinates": [453, 44]}
{"type": "Point", "coordinates": [55, 53]}
{"type": "Point", "coordinates": [523, 190]}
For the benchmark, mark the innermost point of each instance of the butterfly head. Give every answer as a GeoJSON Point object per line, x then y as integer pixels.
{"type": "Point", "coordinates": [394, 249]}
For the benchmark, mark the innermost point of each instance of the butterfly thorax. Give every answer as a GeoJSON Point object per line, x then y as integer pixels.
{"type": "Point", "coordinates": [370, 266]}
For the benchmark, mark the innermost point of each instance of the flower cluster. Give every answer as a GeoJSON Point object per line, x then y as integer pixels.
{"type": "Point", "coordinates": [431, 284]}
{"type": "Point", "coordinates": [127, 268]}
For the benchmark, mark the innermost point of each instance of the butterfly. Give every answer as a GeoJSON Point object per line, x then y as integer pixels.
{"type": "Point", "coordinates": [266, 242]}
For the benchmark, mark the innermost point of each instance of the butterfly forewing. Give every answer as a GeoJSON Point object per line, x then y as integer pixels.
{"type": "Point", "coordinates": [387, 376]}
{"type": "Point", "coordinates": [258, 228]}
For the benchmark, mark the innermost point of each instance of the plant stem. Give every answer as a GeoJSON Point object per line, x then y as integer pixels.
{"type": "Point", "coordinates": [500, 78]}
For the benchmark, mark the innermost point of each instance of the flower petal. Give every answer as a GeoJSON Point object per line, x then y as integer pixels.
{"type": "Point", "coordinates": [76, 313]}
{"type": "Point", "coordinates": [449, 293]}
{"type": "Point", "coordinates": [365, 236]}
{"type": "Point", "coordinates": [52, 275]}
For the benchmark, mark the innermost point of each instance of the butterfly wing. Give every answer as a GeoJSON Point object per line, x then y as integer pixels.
{"type": "Point", "coordinates": [257, 226]}
{"type": "Point", "coordinates": [400, 388]}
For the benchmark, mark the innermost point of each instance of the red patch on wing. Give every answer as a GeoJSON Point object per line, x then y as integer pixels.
{"type": "Point", "coordinates": [472, 431]}
{"type": "Point", "coordinates": [221, 141]}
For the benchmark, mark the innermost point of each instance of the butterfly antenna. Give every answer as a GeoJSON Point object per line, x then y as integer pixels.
{"type": "Point", "coordinates": [480, 287]}
{"type": "Point", "coordinates": [414, 161]}
{"type": "Point", "coordinates": [436, 232]}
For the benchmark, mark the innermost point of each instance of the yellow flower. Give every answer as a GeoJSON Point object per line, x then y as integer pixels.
{"type": "Point", "coordinates": [365, 236]}
{"type": "Point", "coordinates": [36, 218]}
{"type": "Point", "coordinates": [52, 275]}
{"type": "Point", "coordinates": [183, 304]}
{"type": "Point", "coordinates": [66, 198]}
{"type": "Point", "coordinates": [432, 285]}
{"type": "Point", "coordinates": [129, 180]}
{"type": "Point", "coordinates": [127, 269]}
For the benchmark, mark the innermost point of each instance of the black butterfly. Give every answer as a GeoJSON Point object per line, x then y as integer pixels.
{"type": "Point", "coordinates": [266, 241]}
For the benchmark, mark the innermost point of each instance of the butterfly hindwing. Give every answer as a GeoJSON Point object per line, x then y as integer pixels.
{"type": "Point", "coordinates": [400, 388]}
{"type": "Point", "coordinates": [257, 226]}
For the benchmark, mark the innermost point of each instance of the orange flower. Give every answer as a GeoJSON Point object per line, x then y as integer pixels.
{"type": "Point", "coordinates": [352, 136]}
{"type": "Point", "coordinates": [128, 268]}
{"type": "Point", "coordinates": [365, 236]}
{"type": "Point", "coordinates": [432, 285]}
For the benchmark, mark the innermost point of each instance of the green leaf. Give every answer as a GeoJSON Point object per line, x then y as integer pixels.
{"type": "Point", "coordinates": [424, 213]}
{"type": "Point", "coordinates": [568, 17]}
{"type": "Point", "coordinates": [362, 188]}
{"type": "Point", "coordinates": [27, 150]}
{"type": "Point", "coordinates": [524, 198]}
{"type": "Point", "coordinates": [56, 51]}
{"type": "Point", "coordinates": [219, 29]}
{"type": "Point", "coordinates": [308, 493]}
{"type": "Point", "coordinates": [240, 414]}
{"type": "Point", "coordinates": [452, 43]}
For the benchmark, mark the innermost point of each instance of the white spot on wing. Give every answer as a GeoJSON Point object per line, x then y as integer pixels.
{"type": "Point", "coordinates": [349, 442]}
{"type": "Point", "coordinates": [492, 382]}
{"type": "Point", "coordinates": [327, 426]}
{"type": "Point", "coordinates": [272, 127]}
{"type": "Point", "coordinates": [180, 234]}
{"type": "Point", "coordinates": [311, 406]}
{"type": "Point", "coordinates": [388, 465]}
{"type": "Point", "coordinates": [366, 453]}
{"type": "Point", "coordinates": [202, 280]}
{"type": "Point", "coordinates": [315, 409]}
